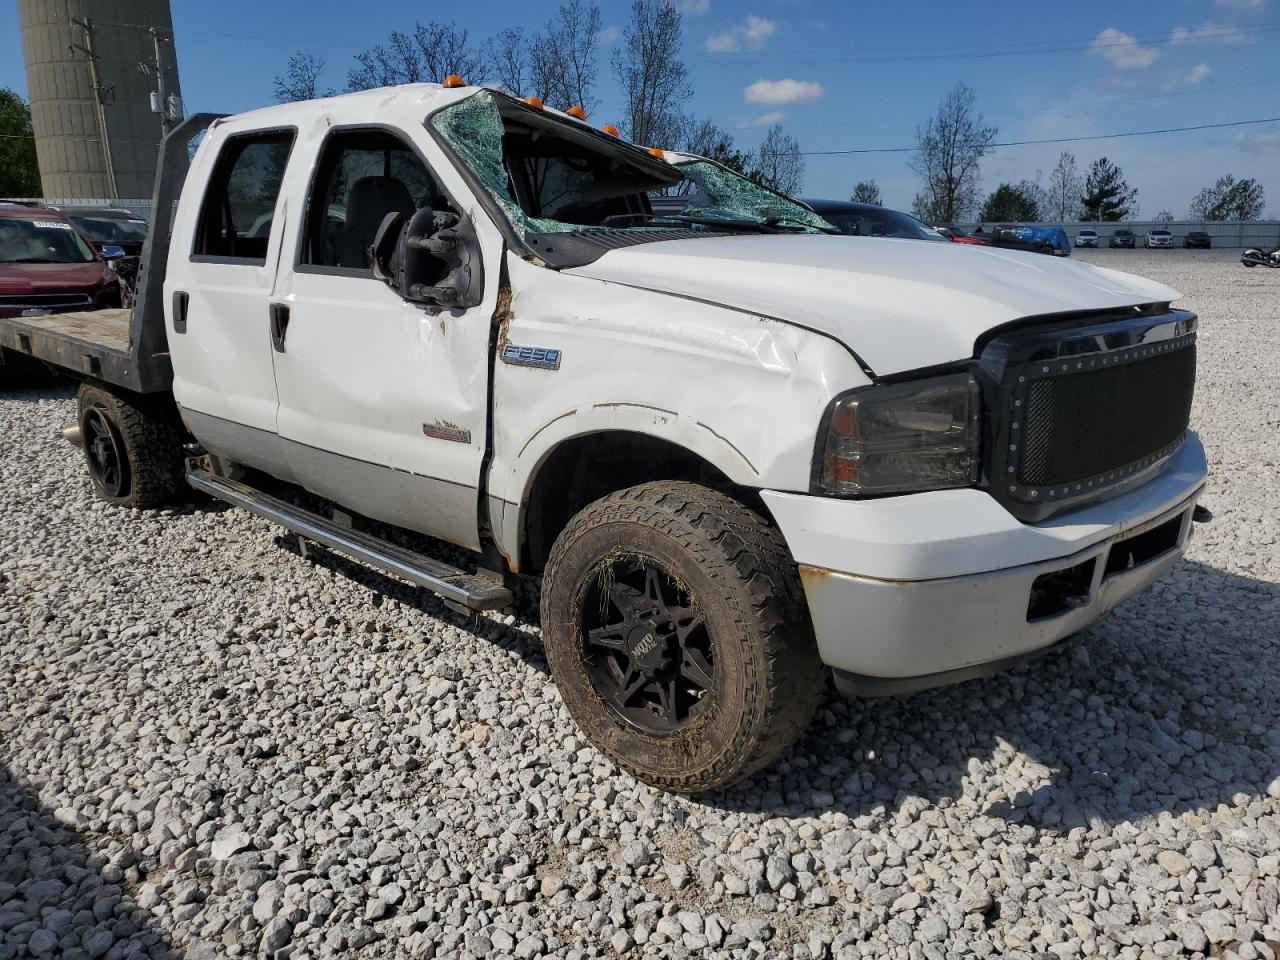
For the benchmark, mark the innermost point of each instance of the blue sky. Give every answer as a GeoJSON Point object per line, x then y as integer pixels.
{"type": "Point", "coordinates": [842, 75]}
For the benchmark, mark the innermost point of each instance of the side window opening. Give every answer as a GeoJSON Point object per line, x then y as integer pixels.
{"type": "Point", "coordinates": [362, 176]}
{"type": "Point", "coordinates": [239, 204]}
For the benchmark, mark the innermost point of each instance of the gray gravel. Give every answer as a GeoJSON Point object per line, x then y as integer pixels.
{"type": "Point", "coordinates": [210, 745]}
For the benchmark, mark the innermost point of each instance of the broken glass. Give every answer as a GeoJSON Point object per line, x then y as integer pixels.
{"type": "Point", "coordinates": [569, 187]}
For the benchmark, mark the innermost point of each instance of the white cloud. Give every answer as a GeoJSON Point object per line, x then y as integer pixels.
{"type": "Point", "coordinates": [607, 35]}
{"type": "Point", "coordinates": [782, 93]}
{"type": "Point", "coordinates": [1122, 51]}
{"type": "Point", "coordinates": [694, 7]}
{"type": "Point", "coordinates": [769, 119]}
{"type": "Point", "coordinates": [751, 34]}
{"type": "Point", "coordinates": [1198, 73]}
{"type": "Point", "coordinates": [1208, 32]}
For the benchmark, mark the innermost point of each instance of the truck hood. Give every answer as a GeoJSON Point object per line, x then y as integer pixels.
{"type": "Point", "coordinates": [897, 304]}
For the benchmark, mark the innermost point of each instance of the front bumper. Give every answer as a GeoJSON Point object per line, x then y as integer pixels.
{"type": "Point", "coordinates": [920, 590]}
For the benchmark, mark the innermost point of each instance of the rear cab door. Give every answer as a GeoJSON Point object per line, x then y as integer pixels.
{"type": "Point", "coordinates": [220, 276]}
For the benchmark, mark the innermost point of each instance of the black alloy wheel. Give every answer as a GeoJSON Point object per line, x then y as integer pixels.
{"type": "Point", "coordinates": [647, 648]}
{"type": "Point", "coordinates": [104, 451]}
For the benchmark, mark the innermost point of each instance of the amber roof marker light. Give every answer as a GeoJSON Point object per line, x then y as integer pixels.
{"type": "Point", "coordinates": [535, 102]}
{"type": "Point", "coordinates": [610, 129]}
{"type": "Point", "coordinates": [658, 152]}
{"type": "Point", "coordinates": [453, 80]}
{"type": "Point", "coordinates": [577, 112]}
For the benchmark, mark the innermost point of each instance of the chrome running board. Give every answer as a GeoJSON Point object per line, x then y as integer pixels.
{"type": "Point", "coordinates": [471, 590]}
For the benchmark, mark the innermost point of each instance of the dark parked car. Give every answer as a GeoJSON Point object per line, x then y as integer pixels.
{"type": "Point", "coordinates": [110, 226]}
{"type": "Point", "coordinates": [1051, 240]}
{"type": "Point", "coordinates": [869, 220]}
{"type": "Point", "coordinates": [1197, 240]}
{"type": "Point", "coordinates": [1122, 238]}
{"type": "Point", "coordinates": [48, 266]}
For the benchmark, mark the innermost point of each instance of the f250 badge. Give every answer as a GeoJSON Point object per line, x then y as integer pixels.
{"type": "Point", "coordinates": [545, 358]}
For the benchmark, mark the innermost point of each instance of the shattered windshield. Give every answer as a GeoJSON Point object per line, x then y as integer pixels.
{"type": "Point", "coordinates": [552, 176]}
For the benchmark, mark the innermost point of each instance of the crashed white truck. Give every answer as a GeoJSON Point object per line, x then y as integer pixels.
{"type": "Point", "coordinates": [742, 453]}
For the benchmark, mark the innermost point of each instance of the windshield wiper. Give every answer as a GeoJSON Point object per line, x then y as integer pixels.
{"type": "Point", "coordinates": [773, 221]}
{"type": "Point", "coordinates": [41, 260]}
{"type": "Point", "coordinates": [685, 218]}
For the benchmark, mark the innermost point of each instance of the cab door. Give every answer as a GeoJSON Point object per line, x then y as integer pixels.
{"type": "Point", "coordinates": [383, 402]}
{"type": "Point", "coordinates": [217, 291]}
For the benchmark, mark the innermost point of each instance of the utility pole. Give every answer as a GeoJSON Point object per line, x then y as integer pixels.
{"type": "Point", "coordinates": [100, 100]}
{"type": "Point", "coordinates": [169, 112]}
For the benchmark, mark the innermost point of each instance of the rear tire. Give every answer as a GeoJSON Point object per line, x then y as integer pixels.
{"type": "Point", "coordinates": [134, 455]}
{"type": "Point", "coordinates": [677, 632]}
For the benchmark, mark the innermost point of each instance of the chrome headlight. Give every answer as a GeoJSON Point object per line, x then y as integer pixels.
{"type": "Point", "coordinates": [902, 437]}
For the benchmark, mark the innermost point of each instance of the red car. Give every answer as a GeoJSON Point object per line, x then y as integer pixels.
{"type": "Point", "coordinates": [957, 236]}
{"type": "Point", "coordinates": [48, 266]}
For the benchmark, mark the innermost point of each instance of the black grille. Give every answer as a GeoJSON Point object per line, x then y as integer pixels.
{"type": "Point", "coordinates": [1083, 425]}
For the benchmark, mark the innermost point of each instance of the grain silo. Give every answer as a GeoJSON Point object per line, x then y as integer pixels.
{"type": "Point", "coordinates": [92, 67]}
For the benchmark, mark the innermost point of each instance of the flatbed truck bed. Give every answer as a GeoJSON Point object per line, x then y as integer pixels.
{"type": "Point", "coordinates": [126, 348]}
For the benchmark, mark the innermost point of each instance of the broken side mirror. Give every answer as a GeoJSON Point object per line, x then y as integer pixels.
{"type": "Point", "coordinates": [430, 258]}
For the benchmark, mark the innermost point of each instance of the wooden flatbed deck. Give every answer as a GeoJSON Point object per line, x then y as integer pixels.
{"type": "Point", "coordinates": [109, 328]}
{"type": "Point", "coordinates": [91, 343]}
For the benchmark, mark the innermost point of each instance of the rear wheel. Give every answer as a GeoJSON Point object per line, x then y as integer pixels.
{"type": "Point", "coordinates": [677, 633]}
{"type": "Point", "coordinates": [134, 455]}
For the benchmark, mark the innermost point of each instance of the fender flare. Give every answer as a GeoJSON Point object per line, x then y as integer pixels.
{"type": "Point", "coordinates": [509, 497]}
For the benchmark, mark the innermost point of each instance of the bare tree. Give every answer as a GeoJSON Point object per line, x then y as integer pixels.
{"type": "Point", "coordinates": [428, 55]}
{"type": "Point", "coordinates": [866, 191]}
{"type": "Point", "coordinates": [654, 81]}
{"type": "Point", "coordinates": [780, 162]}
{"type": "Point", "coordinates": [508, 55]}
{"type": "Point", "coordinates": [949, 148]}
{"type": "Point", "coordinates": [573, 33]}
{"type": "Point", "coordinates": [1062, 197]}
{"type": "Point", "coordinates": [301, 79]}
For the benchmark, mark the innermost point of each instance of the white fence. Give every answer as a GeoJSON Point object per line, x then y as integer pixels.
{"type": "Point", "coordinates": [1257, 233]}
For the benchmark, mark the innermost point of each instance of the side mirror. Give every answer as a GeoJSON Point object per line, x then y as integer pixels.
{"type": "Point", "coordinates": [111, 253]}
{"type": "Point", "coordinates": [428, 258]}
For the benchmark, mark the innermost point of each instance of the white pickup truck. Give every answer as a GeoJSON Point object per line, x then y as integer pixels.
{"type": "Point", "coordinates": [741, 452]}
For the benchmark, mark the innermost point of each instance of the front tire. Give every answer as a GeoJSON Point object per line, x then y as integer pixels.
{"type": "Point", "coordinates": [134, 455]}
{"type": "Point", "coordinates": [677, 633]}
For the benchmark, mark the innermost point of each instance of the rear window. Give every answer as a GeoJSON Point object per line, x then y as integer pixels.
{"type": "Point", "coordinates": [239, 205]}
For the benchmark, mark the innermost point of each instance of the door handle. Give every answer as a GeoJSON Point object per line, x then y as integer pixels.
{"type": "Point", "coordinates": [279, 314]}
{"type": "Point", "coordinates": [180, 300]}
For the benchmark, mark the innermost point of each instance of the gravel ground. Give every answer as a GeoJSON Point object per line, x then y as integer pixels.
{"type": "Point", "coordinates": [211, 746]}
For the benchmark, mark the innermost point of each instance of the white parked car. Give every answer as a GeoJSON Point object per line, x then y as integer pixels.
{"type": "Point", "coordinates": [742, 453]}
{"type": "Point", "coordinates": [1087, 238]}
{"type": "Point", "coordinates": [1159, 238]}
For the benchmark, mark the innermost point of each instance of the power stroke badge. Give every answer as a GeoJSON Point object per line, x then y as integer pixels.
{"type": "Point", "coordinates": [544, 358]}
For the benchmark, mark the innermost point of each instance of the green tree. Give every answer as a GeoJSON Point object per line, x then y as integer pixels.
{"type": "Point", "coordinates": [19, 173]}
{"type": "Point", "coordinates": [1229, 199]}
{"type": "Point", "coordinates": [866, 191]}
{"type": "Point", "coordinates": [1107, 196]}
{"type": "Point", "coordinates": [1010, 202]}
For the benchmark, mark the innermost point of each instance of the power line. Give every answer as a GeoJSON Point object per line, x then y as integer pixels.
{"type": "Point", "coordinates": [978, 51]}
{"type": "Point", "coordinates": [1005, 113]}
{"type": "Point", "coordinates": [1023, 143]}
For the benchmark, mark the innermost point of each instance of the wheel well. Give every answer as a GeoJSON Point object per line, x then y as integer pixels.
{"type": "Point", "coordinates": [584, 469]}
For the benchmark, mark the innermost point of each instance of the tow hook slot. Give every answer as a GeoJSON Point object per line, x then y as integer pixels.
{"type": "Point", "coordinates": [1201, 514]}
{"type": "Point", "coordinates": [1057, 592]}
